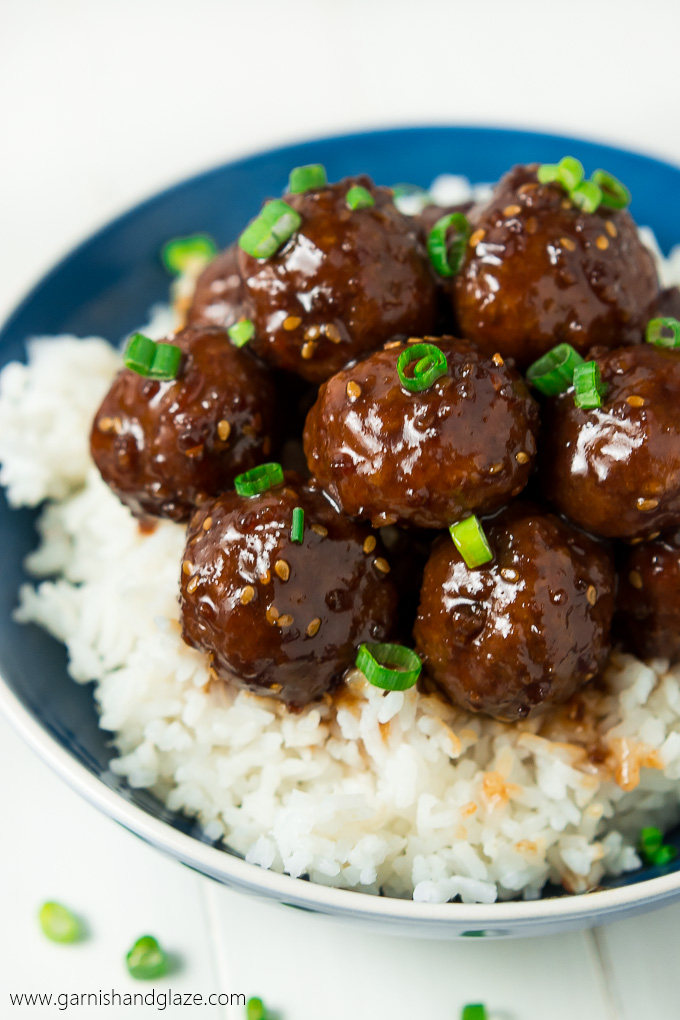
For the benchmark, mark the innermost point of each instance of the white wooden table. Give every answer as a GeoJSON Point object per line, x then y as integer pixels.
{"type": "Point", "coordinates": [103, 103]}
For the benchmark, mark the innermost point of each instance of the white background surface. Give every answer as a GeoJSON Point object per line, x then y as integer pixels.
{"type": "Point", "coordinates": [102, 103]}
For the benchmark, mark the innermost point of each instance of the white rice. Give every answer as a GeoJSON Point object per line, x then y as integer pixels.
{"type": "Point", "coordinates": [396, 792]}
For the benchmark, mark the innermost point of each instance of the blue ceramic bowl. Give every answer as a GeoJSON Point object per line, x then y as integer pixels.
{"type": "Point", "coordinates": [105, 287]}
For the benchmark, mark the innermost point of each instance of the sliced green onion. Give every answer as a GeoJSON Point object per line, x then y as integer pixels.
{"type": "Point", "coordinates": [391, 667]}
{"type": "Point", "coordinates": [653, 849]}
{"type": "Point", "coordinates": [150, 359]}
{"type": "Point", "coordinates": [471, 542]}
{"type": "Point", "coordinates": [277, 222]}
{"type": "Point", "coordinates": [588, 386]}
{"type": "Point", "coordinates": [184, 254]}
{"type": "Point", "coordinates": [430, 366]}
{"type": "Point", "coordinates": [568, 172]}
{"type": "Point", "coordinates": [615, 195]}
{"type": "Point", "coordinates": [241, 332]}
{"type": "Point", "coordinates": [447, 250]}
{"type": "Point", "coordinates": [255, 1009]}
{"type": "Point", "coordinates": [297, 530]}
{"type": "Point", "coordinates": [664, 855]}
{"type": "Point", "coordinates": [553, 373]}
{"type": "Point", "coordinates": [475, 1011]}
{"type": "Point", "coordinates": [58, 923]}
{"type": "Point", "coordinates": [663, 332]}
{"type": "Point", "coordinates": [359, 198]}
{"type": "Point", "coordinates": [586, 196]}
{"type": "Point", "coordinates": [259, 479]}
{"type": "Point", "coordinates": [147, 960]}
{"type": "Point", "coordinates": [307, 178]}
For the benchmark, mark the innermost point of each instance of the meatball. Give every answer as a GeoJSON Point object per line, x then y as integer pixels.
{"type": "Point", "coordinates": [525, 631]}
{"type": "Point", "coordinates": [164, 446]}
{"type": "Point", "coordinates": [278, 617]}
{"type": "Point", "coordinates": [539, 271]}
{"type": "Point", "coordinates": [615, 470]}
{"type": "Point", "coordinates": [465, 444]}
{"type": "Point", "coordinates": [649, 598]}
{"type": "Point", "coordinates": [218, 297]}
{"type": "Point", "coordinates": [345, 282]}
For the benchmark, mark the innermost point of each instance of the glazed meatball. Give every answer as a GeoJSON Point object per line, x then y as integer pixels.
{"type": "Point", "coordinates": [539, 272]}
{"type": "Point", "coordinates": [649, 598]}
{"type": "Point", "coordinates": [465, 444]}
{"type": "Point", "coordinates": [523, 632]}
{"type": "Point", "coordinates": [345, 282]}
{"type": "Point", "coordinates": [164, 446]}
{"type": "Point", "coordinates": [615, 470]}
{"type": "Point", "coordinates": [278, 617]}
{"type": "Point", "coordinates": [219, 294]}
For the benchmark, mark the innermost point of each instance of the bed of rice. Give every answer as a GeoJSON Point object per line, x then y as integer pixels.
{"type": "Point", "coordinates": [393, 792]}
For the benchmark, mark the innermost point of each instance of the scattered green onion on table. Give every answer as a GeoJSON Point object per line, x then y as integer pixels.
{"type": "Point", "coordinates": [58, 923]}
{"type": "Point", "coordinates": [147, 960]}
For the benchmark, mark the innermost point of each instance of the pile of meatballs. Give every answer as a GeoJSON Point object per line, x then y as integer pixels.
{"type": "Point", "coordinates": [579, 506]}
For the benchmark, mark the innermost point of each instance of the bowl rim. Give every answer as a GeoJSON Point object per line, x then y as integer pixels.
{"type": "Point", "coordinates": [218, 863]}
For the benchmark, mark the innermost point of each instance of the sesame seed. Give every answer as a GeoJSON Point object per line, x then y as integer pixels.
{"type": "Point", "coordinates": [567, 243]}
{"type": "Point", "coordinates": [207, 524]}
{"type": "Point", "coordinates": [610, 228]}
{"type": "Point", "coordinates": [285, 620]}
{"type": "Point", "coordinates": [370, 544]}
{"type": "Point", "coordinates": [382, 565]}
{"type": "Point", "coordinates": [247, 595]}
{"type": "Point", "coordinates": [497, 359]}
{"type": "Point", "coordinates": [654, 534]}
{"type": "Point", "coordinates": [565, 203]}
{"type": "Point", "coordinates": [313, 627]}
{"type": "Point", "coordinates": [512, 210]}
{"type": "Point", "coordinates": [282, 569]}
{"type": "Point", "coordinates": [272, 615]}
{"type": "Point", "coordinates": [414, 340]}
{"type": "Point", "coordinates": [118, 426]}
{"type": "Point", "coordinates": [333, 333]}
{"type": "Point", "coordinates": [291, 322]}
{"type": "Point", "coordinates": [495, 468]}
{"type": "Point", "coordinates": [526, 188]}
{"type": "Point", "coordinates": [602, 242]}
{"type": "Point", "coordinates": [194, 451]}
{"type": "Point", "coordinates": [276, 688]}
{"type": "Point", "coordinates": [223, 430]}
{"type": "Point", "coordinates": [187, 567]}
{"type": "Point", "coordinates": [509, 574]}
{"type": "Point", "coordinates": [105, 424]}
{"type": "Point", "coordinates": [312, 333]}
{"type": "Point", "coordinates": [390, 344]}
{"type": "Point", "coordinates": [531, 225]}
{"type": "Point", "coordinates": [477, 237]}
{"type": "Point", "coordinates": [320, 530]}
{"type": "Point", "coordinates": [591, 594]}
{"type": "Point", "coordinates": [646, 504]}
{"type": "Point", "coordinates": [353, 390]}
{"type": "Point", "coordinates": [522, 457]}
{"type": "Point", "coordinates": [193, 584]}
{"type": "Point", "coordinates": [635, 401]}
{"type": "Point", "coordinates": [308, 350]}
{"type": "Point", "coordinates": [383, 520]}
{"type": "Point", "coordinates": [635, 579]}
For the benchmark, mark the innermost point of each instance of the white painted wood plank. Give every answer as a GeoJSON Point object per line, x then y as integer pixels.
{"type": "Point", "coordinates": [307, 966]}
{"type": "Point", "coordinates": [641, 957]}
{"type": "Point", "coordinates": [55, 846]}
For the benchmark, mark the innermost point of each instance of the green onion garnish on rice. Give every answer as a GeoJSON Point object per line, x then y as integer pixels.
{"type": "Point", "coordinates": [446, 243]}
{"type": "Point", "coordinates": [147, 960]}
{"type": "Point", "coordinates": [652, 848]}
{"type": "Point", "coordinates": [269, 231]}
{"type": "Point", "coordinates": [359, 198]}
{"type": "Point", "coordinates": [471, 542]}
{"type": "Point", "coordinates": [588, 386]}
{"type": "Point", "coordinates": [307, 178]}
{"type": "Point", "coordinates": [391, 667]}
{"type": "Point", "coordinates": [553, 373]}
{"type": "Point", "coordinates": [150, 359]}
{"type": "Point", "coordinates": [188, 254]}
{"type": "Point", "coordinates": [58, 923]}
{"type": "Point", "coordinates": [664, 332]}
{"type": "Point", "coordinates": [241, 332]}
{"type": "Point", "coordinates": [429, 364]}
{"type": "Point", "coordinates": [259, 479]}
{"type": "Point", "coordinates": [297, 530]}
